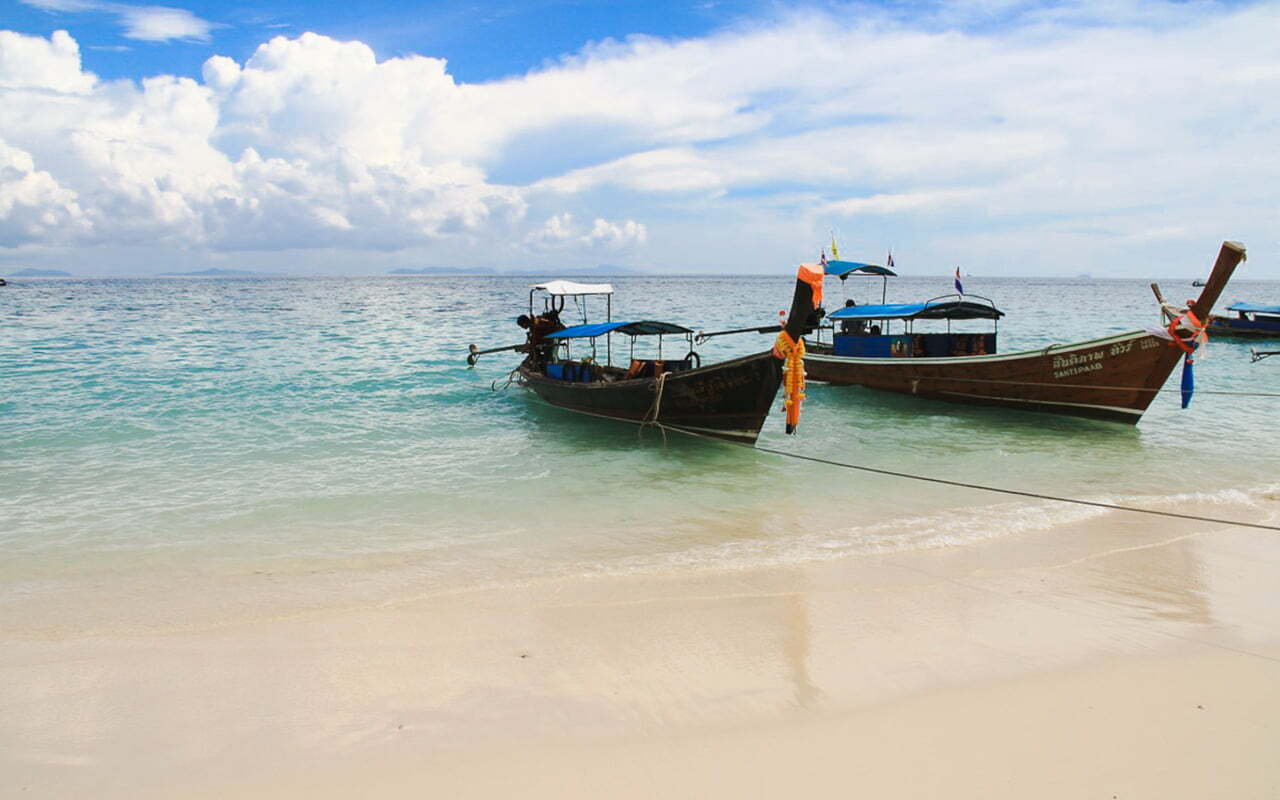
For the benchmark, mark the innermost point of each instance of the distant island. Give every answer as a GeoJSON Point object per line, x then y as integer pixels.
{"type": "Point", "coordinates": [603, 269]}
{"type": "Point", "coordinates": [220, 273]}
{"type": "Point", "coordinates": [39, 273]}
{"type": "Point", "coordinates": [581, 272]}
{"type": "Point", "coordinates": [443, 271]}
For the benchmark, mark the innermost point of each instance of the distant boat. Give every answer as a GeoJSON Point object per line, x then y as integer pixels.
{"type": "Point", "coordinates": [1112, 378]}
{"type": "Point", "coordinates": [1252, 321]}
{"type": "Point", "coordinates": [1197, 282]}
{"type": "Point", "coordinates": [3, 282]}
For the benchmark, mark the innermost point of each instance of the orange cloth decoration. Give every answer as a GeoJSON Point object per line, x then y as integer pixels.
{"type": "Point", "coordinates": [812, 274]}
{"type": "Point", "coordinates": [1193, 326]}
{"type": "Point", "coordinates": [792, 351]}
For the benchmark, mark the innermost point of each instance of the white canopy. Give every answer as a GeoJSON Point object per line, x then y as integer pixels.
{"type": "Point", "coordinates": [570, 288]}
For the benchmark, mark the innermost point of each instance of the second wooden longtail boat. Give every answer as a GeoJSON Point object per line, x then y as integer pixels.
{"type": "Point", "coordinates": [727, 400]}
{"type": "Point", "coordinates": [1251, 321]}
{"type": "Point", "coordinates": [1113, 378]}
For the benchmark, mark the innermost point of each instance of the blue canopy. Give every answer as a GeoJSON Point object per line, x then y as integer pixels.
{"type": "Point", "coordinates": [642, 328]}
{"type": "Point", "coordinates": [950, 309]}
{"type": "Point", "coordinates": [844, 268]}
{"type": "Point", "coordinates": [1254, 308]}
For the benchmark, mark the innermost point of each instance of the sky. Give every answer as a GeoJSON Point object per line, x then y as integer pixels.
{"type": "Point", "coordinates": [1119, 138]}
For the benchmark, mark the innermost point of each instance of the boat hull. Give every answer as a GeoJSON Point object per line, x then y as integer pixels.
{"type": "Point", "coordinates": [1244, 328]}
{"type": "Point", "coordinates": [1114, 379]}
{"type": "Point", "coordinates": [729, 400]}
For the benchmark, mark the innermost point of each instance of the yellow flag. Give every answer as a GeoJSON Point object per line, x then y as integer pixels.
{"type": "Point", "coordinates": [835, 251]}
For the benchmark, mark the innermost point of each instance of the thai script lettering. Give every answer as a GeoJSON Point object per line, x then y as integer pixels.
{"type": "Point", "coordinates": [1076, 359]}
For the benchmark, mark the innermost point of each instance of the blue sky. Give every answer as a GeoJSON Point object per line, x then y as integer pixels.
{"type": "Point", "coordinates": [1105, 136]}
{"type": "Point", "coordinates": [482, 41]}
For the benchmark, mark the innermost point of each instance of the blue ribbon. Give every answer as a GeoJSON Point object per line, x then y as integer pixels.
{"type": "Point", "coordinates": [1188, 380]}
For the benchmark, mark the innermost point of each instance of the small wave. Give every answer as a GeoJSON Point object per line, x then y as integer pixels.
{"type": "Point", "coordinates": [941, 529]}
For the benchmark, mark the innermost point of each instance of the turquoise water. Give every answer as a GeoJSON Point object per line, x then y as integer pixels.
{"type": "Point", "coordinates": [156, 427]}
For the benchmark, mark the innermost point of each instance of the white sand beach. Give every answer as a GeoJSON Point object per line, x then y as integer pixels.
{"type": "Point", "coordinates": [1110, 658]}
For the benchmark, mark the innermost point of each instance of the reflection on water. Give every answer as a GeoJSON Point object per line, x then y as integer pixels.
{"type": "Point", "coordinates": [796, 649]}
{"type": "Point", "coordinates": [1163, 581]}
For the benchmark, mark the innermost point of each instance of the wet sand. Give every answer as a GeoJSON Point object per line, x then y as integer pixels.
{"type": "Point", "coordinates": [1109, 658]}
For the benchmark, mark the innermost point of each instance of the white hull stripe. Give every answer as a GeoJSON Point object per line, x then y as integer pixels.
{"type": "Point", "coordinates": [748, 435]}
{"type": "Point", "coordinates": [1115, 409]}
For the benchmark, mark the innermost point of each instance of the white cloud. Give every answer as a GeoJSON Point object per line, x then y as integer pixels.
{"type": "Point", "coordinates": [145, 163]}
{"type": "Point", "coordinates": [1154, 133]}
{"type": "Point", "coordinates": [658, 171]}
{"type": "Point", "coordinates": [894, 203]}
{"type": "Point", "coordinates": [29, 62]}
{"type": "Point", "coordinates": [144, 23]}
{"type": "Point", "coordinates": [556, 231]}
{"type": "Point", "coordinates": [159, 24]}
{"type": "Point", "coordinates": [561, 232]}
{"type": "Point", "coordinates": [32, 204]}
{"type": "Point", "coordinates": [617, 236]}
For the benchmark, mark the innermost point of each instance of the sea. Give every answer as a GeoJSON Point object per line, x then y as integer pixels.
{"type": "Point", "coordinates": [185, 451]}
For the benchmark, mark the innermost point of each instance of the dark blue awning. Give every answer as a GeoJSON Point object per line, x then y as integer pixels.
{"type": "Point", "coordinates": [845, 268]}
{"type": "Point", "coordinates": [642, 328]}
{"type": "Point", "coordinates": [950, 309]}
{"type": "Point", "coordinates": [1254, 308]}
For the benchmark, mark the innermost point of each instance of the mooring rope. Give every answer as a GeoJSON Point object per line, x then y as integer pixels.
{"type": "Point", "coordinates": [511, 377]}
{"type": "Point", "coordinates": [651, 416]}
{"type": "Point", "coordinates": [984, 488]}
{"type": "Point", "coordinates": [1017, 492]}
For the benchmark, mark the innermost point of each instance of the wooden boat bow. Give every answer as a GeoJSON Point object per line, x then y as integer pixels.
{"type": "Point", "coordinates": [1229, 257]}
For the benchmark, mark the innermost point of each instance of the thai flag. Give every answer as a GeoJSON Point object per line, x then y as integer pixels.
{"type": "Point", "coordinates": [959, 287]}
{"type": "Point", "coordinates": [824, 259]}
{"type": "Point", "coordinates": [890, 264]}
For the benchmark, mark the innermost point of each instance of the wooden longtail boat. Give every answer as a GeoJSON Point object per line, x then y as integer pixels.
{"type": "Point", "coordinates": [728, 400]}
{"type": "Point", "coordinates": [1252, 321]}
{"type": "Point", "coordinates": [1113, 378]}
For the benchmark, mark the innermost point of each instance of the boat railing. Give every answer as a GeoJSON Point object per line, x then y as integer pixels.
{"type": "Point", "coordinates": [565, 352]}
{"type": "Point", "coordinates": [959, 297]}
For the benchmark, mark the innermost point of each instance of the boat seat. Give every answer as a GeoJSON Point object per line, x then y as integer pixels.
{"type": "Point", "coordinates": [653, 367]}
{"type": "Point", "coordinates": [572, 371]}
